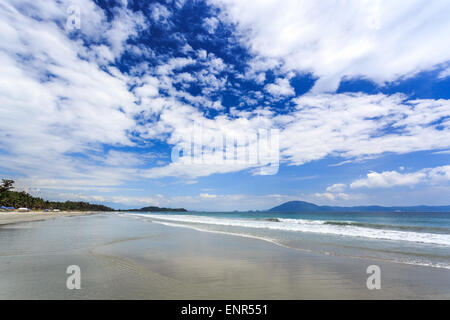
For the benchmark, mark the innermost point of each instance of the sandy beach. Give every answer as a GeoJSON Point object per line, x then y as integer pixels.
{"type": "Point", "coordinates": [123, 257]}
{"type": "Point", "coordinates": [17, 217]}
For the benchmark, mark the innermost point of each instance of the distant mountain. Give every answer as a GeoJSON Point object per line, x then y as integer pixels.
{"type": "Point", "coordinates": [302, 206]}
{"type": "Point", "coordinates": [157, 209]}
{"type": "Point", "coordinates": [297, 206]}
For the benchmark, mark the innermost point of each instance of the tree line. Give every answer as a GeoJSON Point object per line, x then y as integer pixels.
{"type": "Point", "coordinates": [19, 199]}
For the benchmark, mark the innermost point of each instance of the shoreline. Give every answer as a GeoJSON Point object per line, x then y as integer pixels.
{"type": "Point", "coordinates": [281, 245]}
{"type": "Point", "coordinates": [128, 258]}
{"type": "Point", "coordinates": [13, 217]}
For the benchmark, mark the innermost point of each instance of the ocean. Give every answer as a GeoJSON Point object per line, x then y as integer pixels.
{"type": "Point", "coordinates": [411, 238]}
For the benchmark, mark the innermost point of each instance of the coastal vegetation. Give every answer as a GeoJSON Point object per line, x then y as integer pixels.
{"type": "Point", "coordinates": [18, 199]}
{"type": "Point", "coordinates": [22, 199]}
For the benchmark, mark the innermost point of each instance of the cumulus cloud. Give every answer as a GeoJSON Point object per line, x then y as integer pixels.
{"type": "Point", "coordinates": [380, 40]}
{"type": "Point", "coordinates": [203, 201]}
{"type": "Point", "coordinates": [65, 107]}
{"type": "Point", "coordinates": [281, 87]}
{"type": "Point", "coordinates": [55, 99]}
{"type": "Point", "coordinates": [351, 126]}
{"type": "Point", "coordinates": [333, 196]}
{"type": "Point", "coordinates": [338, 187]}
{"type": "Point", "coordinates": [360, 125]}
{"type": "Point", "coordinates": [389, 179]}
{"type": "Point", "coordinates": [444, 73]}
{"type": "Point", "coordinates": [207, 195]}
{"type": "Point", "coordinates": [211, 24]}
{"type": "Point", "coordinates": [159, 13]}
{"type": "Point", "coordinates": [74, 105]}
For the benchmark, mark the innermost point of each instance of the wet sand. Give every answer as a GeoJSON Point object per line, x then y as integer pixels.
{"type": "Point", "coordinates": [17, 217]}
{"type": "Point", "coordinates": [129, 258]}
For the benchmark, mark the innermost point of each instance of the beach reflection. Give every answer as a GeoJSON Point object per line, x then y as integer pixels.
{"type": "Point", "coordinates": [126, 258]}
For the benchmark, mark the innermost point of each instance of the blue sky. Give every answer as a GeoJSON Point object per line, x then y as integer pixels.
{"type": "Point", "coordinates": [94, 95]}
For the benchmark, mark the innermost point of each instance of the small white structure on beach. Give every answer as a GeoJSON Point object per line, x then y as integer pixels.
{"type": "Point", "coordinates": [23, 209]}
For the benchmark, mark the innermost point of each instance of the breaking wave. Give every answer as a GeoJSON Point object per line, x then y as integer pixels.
{"type": "Point", "coordinates": [427, 235]}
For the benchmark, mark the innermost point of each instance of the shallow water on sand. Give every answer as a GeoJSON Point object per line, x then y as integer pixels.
{"type": "Point", "coordinates": [410, 238]}
{"type": "Point", "coordinates": [128, 258]}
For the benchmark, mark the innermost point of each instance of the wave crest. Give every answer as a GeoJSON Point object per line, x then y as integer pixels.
{"type": "Point", "coordinates": [338, 228]}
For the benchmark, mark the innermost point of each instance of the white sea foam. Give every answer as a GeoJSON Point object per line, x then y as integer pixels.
{"type": "Point", "coordinates": [313, 226]}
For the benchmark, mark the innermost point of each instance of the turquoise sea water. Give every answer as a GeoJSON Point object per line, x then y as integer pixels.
{"type": "Point", "coordinates": [412, 238]}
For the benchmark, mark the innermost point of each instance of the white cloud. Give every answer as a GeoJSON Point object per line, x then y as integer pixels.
{"type": "Point", "coordinates": [326, 195]}
{"type": "Point", "coordinates": [360, 125]}
{"type": "Point", "coordinates": [333, 196]}
{"type": "Point", "coordinates": [281, 87]}
{"type": "Point", "coordinates": [444, 73]}
{"type": "Point", "coordinates": [352, 126]}
{"type": "Point", "coordinates": [202, 54]}
{"type": "Point", "coordinates": [442, 152]}
{"type": "Point", "coordinates": [123, 159]}
{"type": "Point", "coordinates": [174, 64]}
{"type": "Point", "coordinates": [389, 179]}
{"type": "Point", "coordinates": [126, 24]}
{"type": "Point", "coordinates": [220, 202]}
{"type": "Point", "coordinates": [55, 100]}
{"type": "Point", "coordinates": [338, 187]}
{"type": "Point", "coordinates": [210, 24]}
{"type": "Point", "coordinates": [381, 40]}
{"type": "Point", "coordinates": [208, 196]}
{"type": "Point", "coordinates": [61, 102]}
{"type": "Point", "coordinates": [159, 13]}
